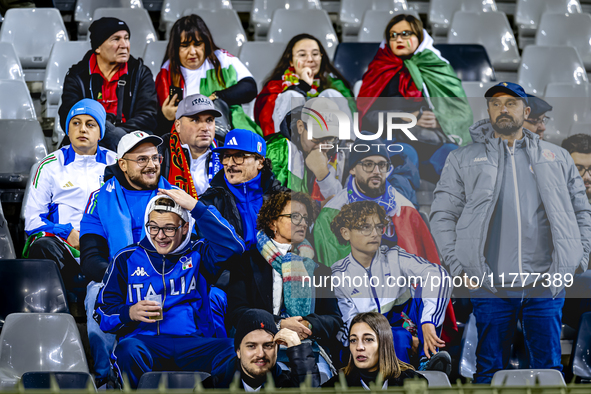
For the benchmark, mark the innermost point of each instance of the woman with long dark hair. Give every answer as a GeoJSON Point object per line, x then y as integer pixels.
{"type": "Point", "coordinates": [195, 64]}
{"type": "Point", "coordinates": [372, 353]}
{"type": "Point", "coordinates": [304, 71]}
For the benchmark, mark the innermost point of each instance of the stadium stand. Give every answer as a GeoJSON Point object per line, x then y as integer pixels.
{"type": "Point", "coordinates": [374, 23]}
{"type": "Point", "coordinates": [528, 377]}
{"type": "Point", "coordinates": [225, 28]}
{"type": "Point", "coordinates": [15, 100]}
{"type": "Point", "coordinates": [351, 14]}
{"type": "Point", "coordinates": [260, 58]}
{"type": "Point", "coordinates": [10, 65]}
{"type": "Point", "coordinates": [571, 30]}
{"type": "Point", "coordinates": [529, 12]}
{"type": "Point", "coordinates": [172, 380]}
{"type": "Point", "coordinates": [436, 378]}
{"type": "Point", "coordinates": [64, 380]}
{"type": "Point", "coordinates": [262, 11]}
{"type": "Point", "coordinates": [441, 12]}
{"type": "Point", "coordinates": [153, 56]}
{"type": "Point", "coordinates": [6, 245]}
{"type": "Point", "coordinates": [39, 342]}
{"type": "Point", "coordinates": [85, 11]}
{"type": "Point", "coordinates": [174, 9]}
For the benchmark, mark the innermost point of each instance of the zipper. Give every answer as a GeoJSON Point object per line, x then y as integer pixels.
{"type": "Point", "coordinates": [518, 208]}
{"type": "Point", "coordinates": [373, 290]}
{"type": "Point", "coordinates": [163, 297]}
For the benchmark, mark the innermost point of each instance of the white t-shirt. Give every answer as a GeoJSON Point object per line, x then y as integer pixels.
{"type": "Point", "coordinates": [199, 170]}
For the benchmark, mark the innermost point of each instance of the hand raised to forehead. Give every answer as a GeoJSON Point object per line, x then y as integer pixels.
{"type": "Point", "coordinates": [180, 197]}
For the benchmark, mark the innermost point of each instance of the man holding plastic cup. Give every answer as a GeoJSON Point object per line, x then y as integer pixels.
{"type": "Point", "coordinates": [155, 294]}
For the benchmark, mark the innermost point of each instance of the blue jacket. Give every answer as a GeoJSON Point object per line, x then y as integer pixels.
{"type": "Point", "coordinates": [181, 277]}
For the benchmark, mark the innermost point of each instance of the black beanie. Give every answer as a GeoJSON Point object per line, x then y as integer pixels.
{"type": "Point", "coordinates": [254, 319]}
{"type": "Point", "coordinates": [102, 29]}
{"type": "Point", "coordinates": [359, 150]}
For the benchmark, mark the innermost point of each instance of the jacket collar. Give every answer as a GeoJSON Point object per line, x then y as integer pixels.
{"type": "Point", "coordinates": [70, 155]}
{"type": "Point", "coordinates": [483, 133]}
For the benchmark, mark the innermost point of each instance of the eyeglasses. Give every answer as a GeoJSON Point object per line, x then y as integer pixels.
{"type": "Point", "coordinates": [238, 158]}
{"type": "Point", "coordinates": [583, 170]}
{"type": "Point", "coordinates": [326, 140]}
{"type": "Point", "coordinates": [168, 231]}
{"type": "Point", "coordinates": [142, 161]}
{"type": "Point", "coordinates": [406, 34]}
{"type": "Point", "coordinates": [367, 229]}
{"type": "Point", "coordinates": [296, 218]}
{"type": "Point", "coordinates": [537, 121]}
{"type": "Point", "coordinates": [368, 166]}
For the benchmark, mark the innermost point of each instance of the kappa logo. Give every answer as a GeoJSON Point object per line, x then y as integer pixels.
{"type": "Point", "coordinates": [139, 271]}
{"type": "Point", "coordinates": [67, 185]}
{"type": "Point", "coordinates": [479, 159]}
{"type": "Point", "coordinates": [201, 100]}
{"type": "Point", "coordinates": [232, 142]}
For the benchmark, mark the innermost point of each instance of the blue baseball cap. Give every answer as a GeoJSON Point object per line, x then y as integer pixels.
{"type": "Point", "coordinates": [510, 88]}
{"type": "Point", "coordinates": [244, 140]}
{"type": "Point", "coordinates": [88, 107]}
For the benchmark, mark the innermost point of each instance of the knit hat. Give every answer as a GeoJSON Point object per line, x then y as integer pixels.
{"type": "Point", "coordinates": [103, 28]}
{"type": "Point", "coordinates": [254, 319]}
{"type": "Point", "coordinates": [376, 148]}
{"type": "Point", "coordinates": [88, 107]}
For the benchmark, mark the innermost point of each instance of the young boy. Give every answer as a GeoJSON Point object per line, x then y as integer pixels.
{"type": "Point", "coordinates": [410, 291]}
{"type": "Point", "coordinates": [175, 332]}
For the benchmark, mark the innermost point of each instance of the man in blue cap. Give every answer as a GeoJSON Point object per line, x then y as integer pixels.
{"type": "Point", "coordinates": [238, 192]}
{"type": "Point", "coordinates": [61, 187]}
{"type": "Point", "coordinates": [511, 216]}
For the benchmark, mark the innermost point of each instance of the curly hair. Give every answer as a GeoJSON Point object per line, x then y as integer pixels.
{"type": "Point", "coordinates": [353, 216]}
{"type": "Point", "coordinates": [275, 205]}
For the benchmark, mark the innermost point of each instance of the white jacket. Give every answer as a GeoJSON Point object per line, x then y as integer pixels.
{"type": "Point", "coordinates": [397, 278]}
{"type": "Point", "coordinates": [60, 189]}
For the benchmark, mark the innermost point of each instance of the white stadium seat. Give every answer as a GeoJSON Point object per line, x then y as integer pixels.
{"type": "Point", "coordinates": [288, 23]}
{"type": "Point", "coordinates": [261, 58]}
{"type": "Point", "coordinates": [529, 12]}
{"type": "Point", "coordinates": [475, 93]}
{"type": "Point", "coordinates": [139, 22]}
{"type": "Point", "coordinates": [154, 55]}
{"type": "Point", "coordinates": [351, 12]}
{"type": "Point", "coordinates": [374, 23]}
{"type": "Point", "coordinates": [262, 13]}
{"type": "Point", "coordinates": [441, 12]}
{"type": "Point", "coordinates": [567, 29]}
{"type": "Point", "coordinates": [85, 11]}
{"type": "Point", "coordinates": [528, 377]}
{"type": "Point", "coordinates": [174, 9]}
{"type": "Point", "coordinates": [10, 66]}
{"type": "Point", "coordinates": [225, 28]}
{"type": "Point", "coordinates": [489, 29]}
{"type": "Point", "coordinates": [15, 101]}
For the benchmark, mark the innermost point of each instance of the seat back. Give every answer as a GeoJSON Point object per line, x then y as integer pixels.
{"type": "Point", "coordinates": [6, 245]}
{"type": "Point", "coordinates": [10, 66]}
{"type": "Point", "coordinates": [23, 144]}
{"type": "Point", "coordinates": [475, 93]}
{"type": "Point", "coordinates": [174, 380]}
{"type": "Point", "coordinates": [581, 353]}
{"type": "Point", "coordinates": [85, 9]}
{"type": "Point", "coordinates": [529, 12]}
{"type": "Point", "coordinates": [262, 12]}
{"type": "Point", "coordinates": [261, 58]}
{"type": "Point", "coordinates": [63, 55]}
{"type": "Point", "coordinates": [39, 342]}
{"type": "Point", "coordinates": [139, 23]}
{"type": "Point", "coordinates": [544, 64]}
{"type": "Point", "coordinates": [528, 377]}
{"type": "Point", "coordinates": [441, 13]}
{"type": "Point", "coordinates": [172, 10]}
{"type": "Point", "coordinates": [33, 45]}
{"type": "Point", "coordinates": [567, 29]}
{"type": "Point", "coordinates": [375, 21]}
{"type": "Point", "coordinates": [353, 58]}
{"type": "Point", "coordinates": [469, 61]}
{"type": "Point", "coordinates": [64, 380]}
{"type": "Point", "coordinates": [580, 128]}
{"type": "Point", "coordinates": [479, 5]}
{"type": "Point", "coordinates": [153, 56]}
{"type": "Point", "coordinates": [436, 378]}
{"type": "Point", "coordinates": [489, 29]}
{"type": "Point", "coordinates": [571, 112]}
{"type": "Point", "coordinates": [225, 27]}
{"type": "Point", "coordinates": [288, 23]}
{"type": "Point", "coordinates": [16, 101]}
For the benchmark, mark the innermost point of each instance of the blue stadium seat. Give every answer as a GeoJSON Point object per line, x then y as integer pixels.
{"type": "Point", "coordinates": [174, 380]}
{"type": "Point", "coordinates": [64, 380]}
{"type": "Point", "coordinates": [470, 61]}
{"type": "Point", "coordinates": [352, 59]}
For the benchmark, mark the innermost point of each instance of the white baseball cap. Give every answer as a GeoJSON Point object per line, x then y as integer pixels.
{"type": "Point", "coordinates": [319, 129]}
{"type": "Point", "coordinates": [183, 213]}
{"type": "Point", "coordinates": [131, 140]}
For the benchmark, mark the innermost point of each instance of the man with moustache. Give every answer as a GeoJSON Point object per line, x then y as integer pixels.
{"type": "Point", "coordinates": [114, 219]}
{"type": "Point", "coordinates": [512, 209]}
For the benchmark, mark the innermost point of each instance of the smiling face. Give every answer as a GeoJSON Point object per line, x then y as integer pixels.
{"type": "Point", "coordinates": [115, 49]}
{"type": "Point", "coordinates": [257, 353]}
{"type": "Point", "coordinates": [373, 183]}
{"type": "Point", "coordinates": [507, 113]}
{"type": "Point", "coordinates": [306, 53]}
{"type": "Point", "coordinates": [191, 52]}
{"type": "Point", "coordinates": [364, 347]}
{"type": "Point", "coordinates": [84, 133]}
{"type": "Point", "coordinates": [197, 131]}
{"type": "Point", "coordinates": [403, 46]}
{"type": "Point", "coordinates": [145, 178]}
{"type": "Point", "coordinates": [240, 173]}
{"type": "Point", "coordinates": [168, 220]}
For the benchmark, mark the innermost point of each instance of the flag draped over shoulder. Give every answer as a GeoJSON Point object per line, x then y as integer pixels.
{"type": "Point", "coordinates": [425, 74]}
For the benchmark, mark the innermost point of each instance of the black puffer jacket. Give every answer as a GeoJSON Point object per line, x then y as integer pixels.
{"type": "Point", "coordinates": [140, 104]}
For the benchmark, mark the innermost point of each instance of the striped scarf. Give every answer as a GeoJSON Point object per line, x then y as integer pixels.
{"type": "Point", "coordinates": [298, 295]}
{"type": "Point", "coordinates": [34, 237]}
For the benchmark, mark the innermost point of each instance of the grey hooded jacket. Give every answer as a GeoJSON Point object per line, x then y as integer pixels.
{"type": "Point", "coordinates": [468, 191]}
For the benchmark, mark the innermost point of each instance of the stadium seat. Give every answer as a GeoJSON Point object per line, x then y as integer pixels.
{"type": "Point", "coordinates": [374, 23]}
{"type": "Point", "coordinates": [225, 27]}
{"type": "Point", "coordinates": [63, 55]}
{"type": "Point", "coordinates": [571, 112]}
{"type": "Point", "coordinates": [567, 29]}
{"type": "Point", "coordinates": [23, 144]}
{"type": "Point", "coordinates": [470, 61]}
{"type": "Point", "coordinates": [39, 342]}
{"type": "Point", "coordinates": [528, 377]}
{"type": "Point", "coordinates": [10, 66]}
{"type": "Point", "coordinates": [27, 190]}
{"type": "Point", "coordinates": [6, 246]}
{"type": "Point", "coordinates": [581, 353]}
{"type": "Point", "coordinates": [85, 9]}
{"type": "Point", "coordinates": [173, 10]}
{"type": "Point", "coordinates": [351, 13]}
{"type": "Point", "coordinates": [567, 89]}
{"type": "Point", "coordinates": [261, 58]}
{"type": "Point", "coordinates": [489, 29]}
{"type": "Point", "coordinates": [15, 100]}
{"type": "Point", "coordinates": [436, 378]}
{"type": "Point", "coordinates": [529, 12]}
{"type": "Point", "coordinates": [467, 366]}
{"type": "Point", "coordinates": [425, 219]}
{"type": "Point", "coordinates": [580, 128]}
{"type": "Point", "coordinates": [140, 25]}
{"type": "Point", "coordinates": [64, 380]}
{"type": "Point", "coordinates": [153, 56]}
{"type": "Point", "coordinates": [174, 380]}
{"type": "Point", "coordinates": [31, 286]}
{"type": "Point", "coordinates": [352, 59]}
{"type": "Point", "coordinates": [544, 64]}
{"type": "Point", "coordinates": [33, 45]}
{"type": "Point", "coordinates": [475, 93]}
{"type": "Point", "coordinates": [58, 134]}
{"type": "Point", "coordinates": [441, 12]}
{"type": "Point", "coordinates": [262, 11]}
{"type": "Point", "coordinates": [288, 23]}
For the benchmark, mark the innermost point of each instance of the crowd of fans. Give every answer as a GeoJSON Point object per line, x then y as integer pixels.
{"type": "Point", "coordinates": [194, 224]}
